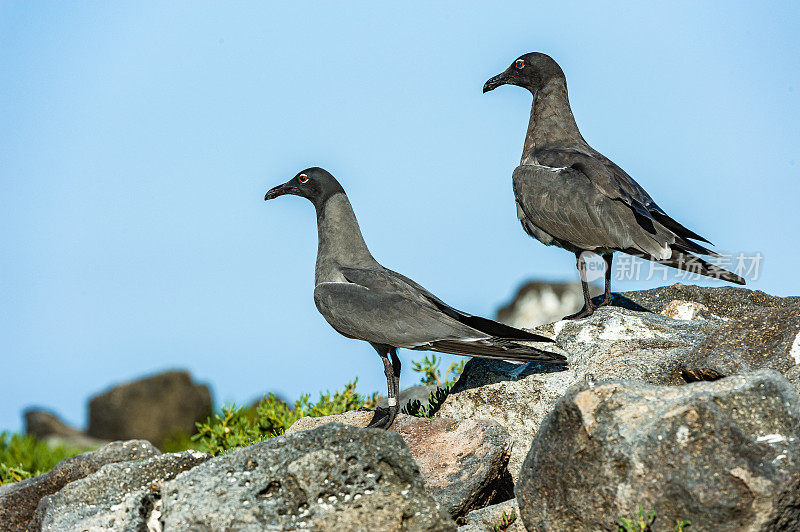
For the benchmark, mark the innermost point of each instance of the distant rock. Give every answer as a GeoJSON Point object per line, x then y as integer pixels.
{"type": "Point", "coordinates": [724, 455]}
{"type": "Point", "coordinates": [332, 477]}
{"type": "Point", "coordinates": [19, 500]}
{"type": "Point", "coordinates": [46, 426]}
{"type": "Point", "coordinates": [539, 302]}
{"type": "Point", "coordinates": [121, 496]}
{"type": "Point", "coordinates": [463, 463]}
{"type": "Point", "coordinates": [486, 519]}
{"type": "Point", "coordinates": [152, 408]}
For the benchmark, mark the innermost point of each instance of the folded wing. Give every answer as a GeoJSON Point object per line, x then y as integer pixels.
{"type": "Point", "coordinates": [401, 320]}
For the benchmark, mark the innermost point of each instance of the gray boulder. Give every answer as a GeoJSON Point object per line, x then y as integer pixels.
{"type": "Point", "coordinates": [18, 501]}
{"type": "Point", "coordinates": [693, 333]}
{"type": "Point", "coordinates": [611, 344]}
{"type": "Point", "coordinates": [150, 409]}
{"type": "Point", "coordinates": [724, 455]}
{"type": "Point", "coordinates": [123, 496]}
{"type": "Point", "coordinates": [332, 477]}
{"type": "Point", "coordinates": [765, 338]}
{"type": "Point", "coordinates": [462, 463]}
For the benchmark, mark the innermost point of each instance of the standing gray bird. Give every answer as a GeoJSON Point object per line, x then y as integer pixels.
{"type": "Point", "coordinates": [571, 196]}
{"type": "Point", "coordinates": [363, 300]}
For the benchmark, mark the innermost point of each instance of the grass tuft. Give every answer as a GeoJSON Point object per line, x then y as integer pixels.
{"type": "Point", "coordinates": [240, 426]}
{"type": "Point", "coordinates": [24, 457]}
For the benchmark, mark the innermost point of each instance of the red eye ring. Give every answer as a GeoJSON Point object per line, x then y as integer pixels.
{"type": "Point", "coordinates": [519, 63]}
{"type": "Point", "coordinates": [303, 178]}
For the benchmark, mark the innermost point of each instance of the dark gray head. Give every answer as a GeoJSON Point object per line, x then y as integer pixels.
{"type": "Point", "coordinates": [315, 184]}
{"type": "Point", "coordinates": [531, 71]}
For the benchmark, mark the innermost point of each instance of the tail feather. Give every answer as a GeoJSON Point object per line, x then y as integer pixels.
{"type": "Point", "coordinates": [693, 264]}
{"type": "Point", "coordinates": [498, 348]}
{"type": "Point", "coordinates": [501, 330]}
{"type": "Point", "coordinates": [687, 246]}
{"type": "Point", "coordinates": [674, 226]}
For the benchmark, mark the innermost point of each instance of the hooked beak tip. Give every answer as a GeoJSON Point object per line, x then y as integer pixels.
{"type": "Point", "coordinates": [494, 82]}
{"type": "Point", "coordinates": [280, 190]}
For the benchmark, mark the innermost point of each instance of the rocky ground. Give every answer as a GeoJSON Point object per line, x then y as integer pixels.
{"type": "Point", "coordinates": [680, 400]}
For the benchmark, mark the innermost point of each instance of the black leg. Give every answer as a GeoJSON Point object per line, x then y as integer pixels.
{"type": "Point", "coordinates": [588, 307]}
{"type": "Point", "coordinates": [608, 257]}
{"type": "Point", "coordinates": [384, 417]}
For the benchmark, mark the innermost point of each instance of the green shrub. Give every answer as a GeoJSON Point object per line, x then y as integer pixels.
{"type": "Point", "coordinates": [23, 457]}
{"type": "Point", "coordinates": [429, 367]}
{"type": "Point", "coordinates": [240, 426]}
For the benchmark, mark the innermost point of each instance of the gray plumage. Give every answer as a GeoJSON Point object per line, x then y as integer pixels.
{"type": "Point", "coordinates": [361, 299]}
{"type": "Point", "coordinates": [571, 196]}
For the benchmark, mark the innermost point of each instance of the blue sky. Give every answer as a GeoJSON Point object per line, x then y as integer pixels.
{"type": "Point", "coordinates": [137, 141]}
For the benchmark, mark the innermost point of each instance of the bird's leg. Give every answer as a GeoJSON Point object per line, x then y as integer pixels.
{"type": "Point", "coordinates": [608, 257]}
{"type": "Point", "coordinates": [384, 417]}
{"type": "Point", "coordinates": [588, 307]}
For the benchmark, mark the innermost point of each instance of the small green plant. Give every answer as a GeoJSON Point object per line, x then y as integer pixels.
{"type": "Point", "coordinates": [435, 401]}
{"type": "Point", "coordinates": [644, 522]}
{"type": "Point", "coordinates": [23, 457]}
{"type": "Point", "coordinates": [506, 521]}
{"type": "Point", "coordinates": [641, 523]}
{"type": "Point", "coordinates": [239, 426]}
{"type": "Point", "coordinates": [429, 367]}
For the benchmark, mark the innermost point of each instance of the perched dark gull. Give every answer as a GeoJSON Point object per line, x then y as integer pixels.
{"type": "Point", "coordinates": [363, 300]}
{"type": "Point", "coordinates": [571, 196]}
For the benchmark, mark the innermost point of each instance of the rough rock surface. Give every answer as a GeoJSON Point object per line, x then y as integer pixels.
{"type": "Point", "coordinates": [724, 455]}
{"type": "Point", "coordinates": [333, 477]}
{"type": "Point", "coordinates": [726, 302]}
{"type": "Point", "coordinates": [766, 338]}
{"type": "Point", "coordinates": [486, 519]}
{"type": "Point", "coordinates": [48, 427]}
{"type": "Point", "coordinates": [537, 302]}
{"type": "Point", "coordinates": [120, 496]}
{"type": "Point", "coordinates": [706, 331]}
{"type": "Point", "coordinates": [18, 501]}
{"type": "Point", "coordinates": [150, 409]}
{"type": "Point", "coordinates": [611, 344]}
{"type": "Point", "coordinates": [463, 463]}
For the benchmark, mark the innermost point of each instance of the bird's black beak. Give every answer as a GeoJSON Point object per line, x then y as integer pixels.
{"type": "Point", "coordinates": [280, 190]}
{"type": "Point", "coordinates": [493, 83]}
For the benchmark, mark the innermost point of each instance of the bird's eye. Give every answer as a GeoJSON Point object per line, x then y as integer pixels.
{"type": "Point", "coordinates": [519, 63]}
{"type": "Point", "coordinates": [302, 178]}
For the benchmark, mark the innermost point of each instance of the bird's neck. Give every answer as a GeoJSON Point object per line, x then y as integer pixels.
{"type": "Point", "coordinates": [552, 123]}
{"type": "Point", "coordinates": [340, 242]}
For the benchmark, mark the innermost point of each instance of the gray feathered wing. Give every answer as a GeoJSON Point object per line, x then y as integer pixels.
{"type": "Point", "coordinates": [579, 207]}
{"type": "Point", "coordinates": [391, 312]}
